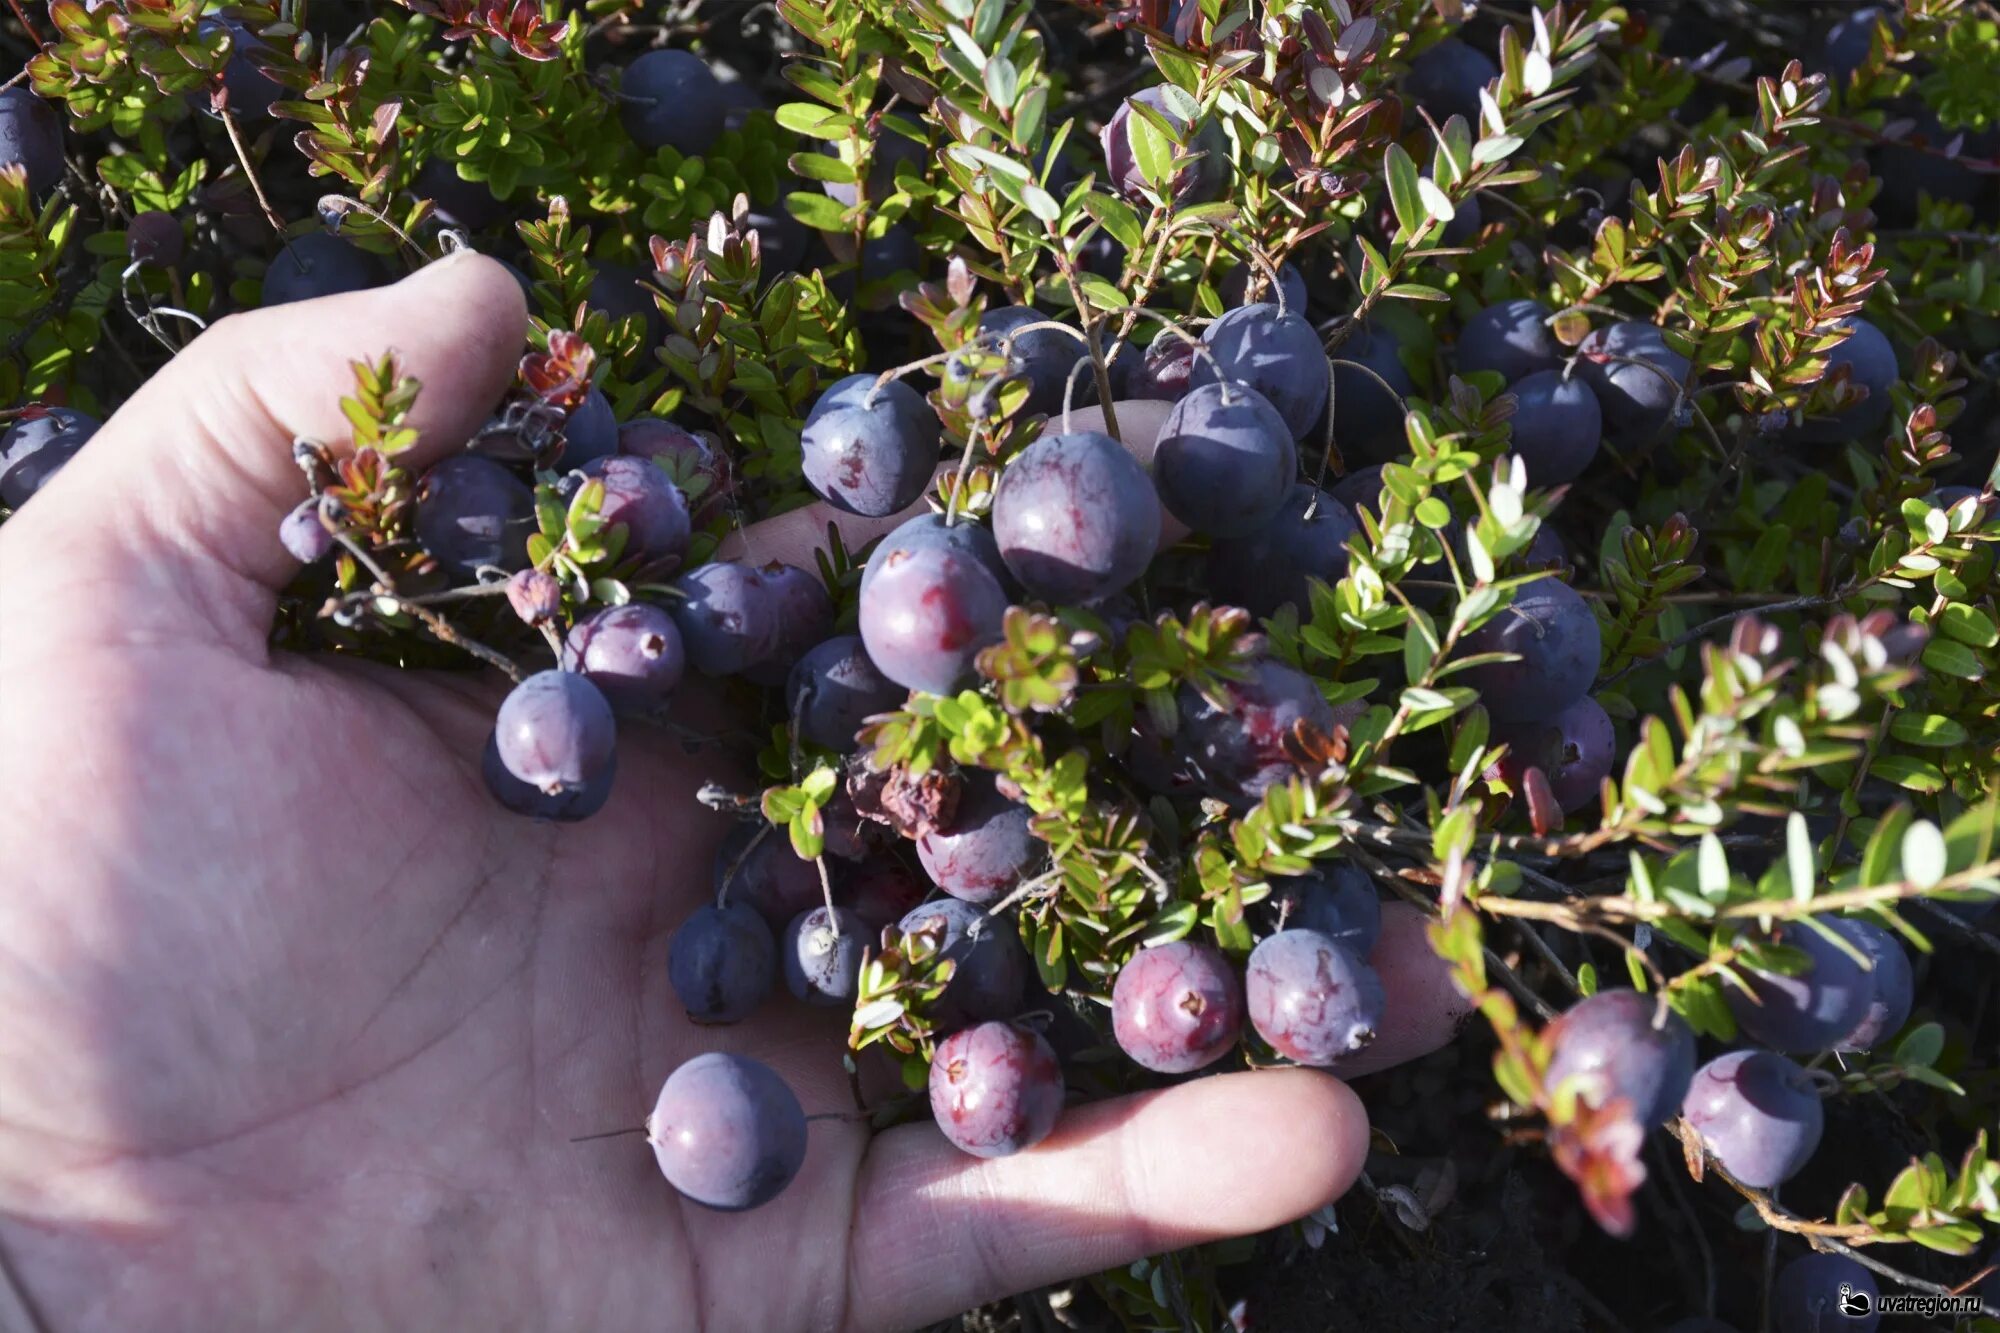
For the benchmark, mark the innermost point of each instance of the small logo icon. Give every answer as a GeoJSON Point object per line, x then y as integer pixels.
{"type": "Point", "coordinates": [1855, 1304]}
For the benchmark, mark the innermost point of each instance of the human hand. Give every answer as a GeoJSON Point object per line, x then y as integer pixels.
{"type": "Point", "coordinates": [297, 1025]}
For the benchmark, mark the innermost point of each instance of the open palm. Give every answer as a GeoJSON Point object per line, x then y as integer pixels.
{"type": "Point", "coordinates": [297, 1026]}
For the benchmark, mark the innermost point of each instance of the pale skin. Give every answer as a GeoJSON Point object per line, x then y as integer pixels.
{"type": "Point", "coordinates": [297, 1026]}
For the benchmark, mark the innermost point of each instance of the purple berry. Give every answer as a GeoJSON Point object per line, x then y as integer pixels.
{"type": "Point", "coordinates": [991, 965]}
{"type": "Point", "coordinates": [822, 955]}
{"type": "Point", "coordinates": [1240, 747]}
{"type": "Point", "coordinates": [155, 238]}
{"type": "Point", "coordinates": [1814, 1008]}
{"type": "Point", "coordinates": [1167, 372]}
{"type": "Point", "coordinates": [671, 99]}
{"type": "Point", "coordinates": [1201, 179]}
{"type": "Point", "coordinates": [1446, 80]}
{"type": "Point", "coordinates": [1226, 461]}
{"type": "Point", "coordinates": [1553, 632]}
{"type": "Point", "coordinates": [727, 1132]}
{"type": "Point", "coordinates": [1236, 287]}
{"type": "Point", "coordinates": [1892, 992]}
{"type": "Point", "coordinates": [966, 536]}
{"type": "Point", "coordinates": [1273, 566]}
{"type": "Point", "coordinates": [1278, 355]}
{"type": "Point", "coordinates": [316, 265]}
{"type": "Point", "coordinates": [1177, 1008]}
{"type": "Point", "coordinates": [36, 448]}
{"type": "Point", "coordinates": [1825, 1293]}
{"type": "Point", "coordinates": [690, 463]}
{"type": "Point", "coordinates": [870, 448]}
{"type": "Point", "coordinates": [1336, 899]}
{"type": "Point", "coordinates": [1044, 358]}
{"type": "Point", "coordinates": [639, 495]}
{"type": "Point", "coordinates": [727, 616]}
{"type": "Point", "coordinates": [767, 876]}
{"type": "Point", "coordinates": [882, 891]}
{"type": "Point", "coordinates": [1638, 401]}
{"type": "Point", "coordinates": [303, 533]}
{"type": "Point", "coordinates": [459, 202]}
{"type": "Point", "coordinates": [995, 1089]}
{"type": "Point", "coordinates": [833, 689]}
{"type": "Point", "coordinates": [1557, 426]}
{"type": "Point", "coordinates": [31, 133]}
{"type": "Point", "coordinates": [804, 612]}
{"type": "Point", "coordinates": [555, 731]}
{"type": "Point", "coordinates": [1511, 337]}
{"type": "Point", "coordinates": [1310, 999]}
{"type": "Point", "coordinates": [986, 850]}
{"type": "Point", "coordinates": [591, 432]}
{"type": "Point", "coordinates": [1610, 1045]}
{"type": "Point", "coordinates": [1870, 360]}
{"type": "Point", "coordinates": [1757, 1113]}
{"type": "Point", "coordinates": [926, 612]}
{"type": "Point", "coordinates": [632, 652]}
{"type": "Point", "coordinates": [1576, 750]}
{"type": "Point", "coordinates": [722, 963]}
{"type": "Point", "coordinates": [1368, 419]}
{"type": "Point", "coordinates": [1076, 517]}
{"type": "Point", "coordinates": [523, 798]}
{"type": "Point", "coordinates": [473, 513]}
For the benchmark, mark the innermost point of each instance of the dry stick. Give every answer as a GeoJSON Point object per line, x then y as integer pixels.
{"type": "Point", "coordinates": [1332, 401]}
{"type": "Point", "coordinates": [729, 875]}
{"type": "Point", "coordinates": [26, 26]}
{"type": "Point", "coordinates": [826, 894]}
{"type": "Point", "coordinates": [256, 185]}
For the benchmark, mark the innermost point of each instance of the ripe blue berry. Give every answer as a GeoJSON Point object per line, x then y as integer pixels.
{"type": "Point", "coordinates": [804, 612]}
{"type": "Point", "coordinates": [1809, 1010]}
{"type": "Point", "coordinates": [870, 448]}
{"type": "Point", "coordinates": [31, 133]}
{"type": "Point", "coordinates": [473, 513]}
{"type": "Point", "coordinates": [633, 653]}
{"type": "Point", "coordinates": [1610, 1044]}
{"type": "Point", "coordinates": [1511, 337]}
{"type": "Point", "coordinates": [1279, 355]}
{"type": "Point", "coordinates": [459, 202]}
{"type": "Point", "coordinates": [1557, 426]}
{"type": "Point", "coordinates": [591, 432]}
{"type": "Point", "coordinates": [1367, 418]}
{"type": "Point", "coordinates": [1576, 750]}
{"type": "Point", "coordinates": [1305, 539]}
{"type": "Point", "coordinates": [523, 798]}
{"type": "Point", "coordinates": [1335, 898]}
{"type": "Point", "coordinates": [671, 99]}
{"type": "Point", "coordinates": [317, 264]}
{"type": "Point", "coordinates": [995, 1089]}
{"type": "Point", "coordinates": [555, 731]}
{"type": "Point", "coordinates": [1225, 461]}
{"type": "Point", "coordinates": [880, 890]}
{"type": "Point", "coordinates": [1815, 1292]}
{"type": "Point", "coordinates": [926, 612]}
{"type": "Point", "coordinates": [992, 966]}
{"type": "Point", "coordinates": [722, 963]}
{"type": "Point", "coordinates": [690, 463]}
{"type": "Point", "coordinates": [1757, 1113]}
{"type": "Point", "coordinates": [1201, 178]}
{"type": "Point", "coordinates": [1076, 517]}
{"type": "Point", "coordinates": [1639, 401]}
{"type": "Point", "coordinates": [973, 539]}
{"type": "Point", "coordinates": [1870, 360]}
{"type": "Point", "coordinates": [638, 495]}
{"type": "Point", "coordinates": [36, 448]}
{"type": "Point", "coordinates": [1311, 999]}
{"type": "Point", "coordinates": [304, 534]}
{"type": "Point", "coordinates": [727, 1132]}
{"type": "Point", "coordinates": [767, 875]}
{"type": "Point", "coordinates": [727, 616]}
{"type": "Point", "coordinates": [1044, 358]}
{"type": "Point", "coordinates": [1246, 283]}
{"type": "Point", "coordinates": [1446, 79]}
{"type": "Point", "coordinates": [1892, 992]}
{"type": "Point", "coordinates": [1555, 635]}
{"type": "Point", "coordinates": [834, 688]}
{"type": "Point", "coordinates": [1238, 742]}
{"type": "Point", "coordinates": [986, 849]}
{"type": "Point", "coordinates": [1177, 1008]}
{"type": "Point", "coordinates": [822, 955]}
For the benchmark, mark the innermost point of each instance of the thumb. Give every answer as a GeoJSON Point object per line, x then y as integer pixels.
{"type": "Point", "coordinates": [183, 489]}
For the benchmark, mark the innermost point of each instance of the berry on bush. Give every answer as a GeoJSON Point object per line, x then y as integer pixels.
{"type": "Point", "coordinates": [727, 1133]}
{"type": "Point", "coordinates": [870, 448]}
{"type": "Point", "coordinates": [701, 473]}
{"type": "Point", "coordinates": [1277, 354]}
{"type": "Point", "coordinates": [1511, 337]}
{"type": "Point", "coordinates": [1555, 636]}
{"type": "Point", "coordinates": [1305, 539]}
{"type": "Point", "coordinates": [1557, 426]}
{"type": "Point", "coordinates": [36, 447]}
{"type": "Point", "coordinates": [1446, 79]}
{"type": "Point", "coordinates": [985, 849]}
{"type": "Point", "coordinates": [555, 731]}
{"type": "Point", "coordinates": [1636, 377]}
{"type": "Point", "coordinates": [305, 534]}
{"type": "Point", "coordinates": [1757, 1113]}
{"type": "Point", "coordinates": [834, 688]}
{"type": "Point", "coordinates": [524, 798]}
{"type": "Point", "coordinates": [474, 514]}
{"type": "Point", "coordinates": [1892, 986]}
{"type": "Point", "coordinates": [927, 609]}
{"type": "Point", "coordinates": [1199, 180]}
{"type": "Point", "coordinates": [1177, 1007]}
{"type": "Point", "coordinates": [765, 874]}
{"type": "Point", "coordinates": [672, 99]}
{"type": "Point", "coordinates": [591, 432]}
{"type": "Point", "coordinates": [822, 955]}
{"type": "Point", "coordinates": [1225, 461]}
{"type": "Point", "coordinates": [727, 616]}
{"type": "Point", "coordinates": [1076, 518]}
{"type": "Point", "coordinates": [1817, 1293]}
{"type": "Point", "coordinates": [1614, 1044]}
{"type": "Point", "coordinates": [315, 265]}
{"type": "Point", "coordinates": [31, 134]}
{"type": "Point", "coordinates": [1367, 419]}
{"type": "Point", "coordinates": [1870, 363]}
{"type": "Point", "coordinates": [1335, 898]}
{"type": "Point", "coordinates": [1310, 999]}
{"type": "Point", "coordinates": [991, 966]}
{"type": "Point", "coordinates": [996, 1089]}
{"type": "Point", "coordinates": [1576, 750]}
{"type": "Point", "coordinates": [1240, 742]}
{"type": "Point", "coordinates": [652, 509]}
{"type": "Point", "coordinates": [1044, 357]}
{"type": "Point", "coordinates": [1812, 1009]}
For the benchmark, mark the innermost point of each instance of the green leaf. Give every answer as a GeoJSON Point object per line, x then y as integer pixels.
{"type": "Point", "coordinates": [1404, 196]}
{"type": "Point", "coordinates": [1909, 773]}
{"type": "Point", "coordinates": [1928, 729]}
{"type": "Point", "coordinates": [817, 211]}
{"type": "Point", "coordinates": [1968, 624]}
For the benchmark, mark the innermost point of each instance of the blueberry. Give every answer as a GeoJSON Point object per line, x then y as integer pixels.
{"type": "Point", "coordinates": [155, 238]}
{"type": "Point", "coordinates": [986, 849]}
{"type": "Point", "coordinates": [524, 798]}
{"type": "Point", "coordinates": [1871, 365]}
{"type": "Point", "coordinates": [1236, 287]}
{"type": "Point", "coordinates": [316, 265]}
{"type": "Point", "coordinates": [1196, 182]}
{"type": "Point", "coordinates": [991, 965]}
{"type": "Point", "coordinates": [1446, 80]}
{"type": "Point", "coordinates": [1575, 748]}
{"type": "Point", "coordinates": [1557, 426]}
{"type": "Point", "coordinates": [459, 202]}
{"type": "Point", "coordinates": [1757, 1113]}
{"type": "Point", "coordinates": [1306, 539]}
{"type": "Point", "coordinates": [727, 616]}
{"type": "Point", "coordinates": [1310, 999]}
{"type": "Point", "coordinates": [1177, 1007]}
{"type": "Point", "coordinates": [995, 1089]}
{"type": "Point", "coordinates": [1279, 355]}
{"type": "Point", "coordinates": [890, 150]}
{"type": "Point", "coordinates": [555, 731]}
{"type": "Point", "coordinates": [1553, 632]}
{"type": "Point", "coordinates": [1368, 419]}
{"type": "Point", "coordinates": [1810, 1010]}
{"type": "Point", "coordinates": [834, 688]}
{"type": "Point", "coordinates": [471, 512]}
{"type": "Point", "coordinates": [302, 533]}
{"type": "Point", "coordinates": [804, 612]}
{"type": "Point", "coordinates": [727, 1132]}
{"type": "Point", "coordinates": [633, 653]}
{"type": "Point", "coordinates": [671, 99]}
{"type": "Point", "coordinates": [31, 133]}
{"type": "Point", "coordinates": [1076, 517]}
{"type": "Point", "coordinates": [1045, 358]}
{"type": "Point", "coordinates": [766, 875]}
{"type": "Point", "coordinates": [822, 956]}
{"type": "Point", "coordinates": [870, 448]}
{"type": "Point", "coordinates": [1892, 988]}
{"type": "Point", "coordinates": [1611, 1044]}
{"type": "Point", "coordinates": [1225, 462]}
{"type": "Point", "coordinates": [926, 613]}
{"type": "Point", "coordinates": [1511, 337]}
{"type": "Point", "coordinates": [1242, 747]}
{"type": "Point", "coordinates": [652, 509]}
{"type": "Point", "coordinates": [36, 447]}
{"type": "Point", "coordinates": [1815, 1293]}
{"type": "Point", "coordinates": [1335, 898]}
{"type": "Point", "coordinates": [1638, 401]}
{"type": "Point", "coordinates": [591, 432]}
{"type": "Point", "coordinates": [701, 473]}
{"type": "Point", "coordinates": [722, 962]}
